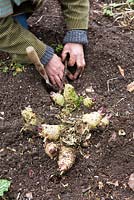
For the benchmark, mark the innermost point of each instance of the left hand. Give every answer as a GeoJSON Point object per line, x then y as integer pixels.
{"type": "Point", "coordinates": [76, 55]}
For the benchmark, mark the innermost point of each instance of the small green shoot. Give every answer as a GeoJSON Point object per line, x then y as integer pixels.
{"type": "Point", "coordinates": [4, 186]}
{"type": "Point", "coordinates": [8, 66]}
{"type": "Point", "coordinates": [5, 69]}
{"type": "Point", "coordinates": [130, 1]}
{"type": "Point", "coordinates": [107, 11]}
{"type": "Point", "coordinates": [17, 68]}
{"type": "Point", "coordinates": [57, 48]}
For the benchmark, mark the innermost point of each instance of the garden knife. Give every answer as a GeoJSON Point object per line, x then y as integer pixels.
{"type": "Point", "coordinates": [34, 58]}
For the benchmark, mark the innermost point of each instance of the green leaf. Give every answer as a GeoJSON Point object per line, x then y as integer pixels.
{"type": "Point", "coordinates": [4, 186]}
{"type": "Point", "coordinates": [17, 68]}
{"type": "Point", "coordinates": [14, 73]}
{"type": "Point", "coordinates": [115, 5]}
{"type": "Point", "coordinates": [107, 12]}
{"type": "Point", "coordinates": [130, 1]}
{"type": "Point", "coordinates": [59, 48]}
{"type": "Point", "coordinates": [5, 69]}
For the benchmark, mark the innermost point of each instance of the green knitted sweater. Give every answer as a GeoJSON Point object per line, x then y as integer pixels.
{"type": "Point", "coordinates": [14, 39]}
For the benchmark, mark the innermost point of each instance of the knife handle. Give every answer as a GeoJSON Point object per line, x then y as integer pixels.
{"type": "Point", "coordinates": [34, 58]}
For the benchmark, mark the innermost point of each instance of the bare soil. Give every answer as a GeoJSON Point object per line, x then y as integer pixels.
{"type": "Point", "coordinates": [102, 176]}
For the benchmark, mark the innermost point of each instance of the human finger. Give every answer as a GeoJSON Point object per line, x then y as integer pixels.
{"type": "Point", "coordinates": [64, 55]}
{"type": "Point", "coordinates": [72, 60]}
{"type": "Point", "coordinates": [58, 81]}
{"type": "Point", "coordinates": [77, 73]}
{"type": "Point", "coordinates": [70, 75]}
{"type": "Point", "coordinates": [80, 62]}
{"type": "Point", "coordinates": [61, 70]}
{"type": "Point", "coordinates": [52, 80]}
{"type": "Point", "coordinates": [61, 75]}
{"type": "Point", "coordinates": [80, 67]}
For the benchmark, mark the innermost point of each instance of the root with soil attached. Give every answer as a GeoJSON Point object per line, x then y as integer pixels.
{"type": "Point", "coordinates": [62, 141]}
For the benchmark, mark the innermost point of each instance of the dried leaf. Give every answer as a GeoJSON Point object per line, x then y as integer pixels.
{"type": "Point", "coordinates": [131, 181]}
{"type": "Point", "coordinates": [130, 87]}
{"type": "Point", "coordinates": [121, 70]}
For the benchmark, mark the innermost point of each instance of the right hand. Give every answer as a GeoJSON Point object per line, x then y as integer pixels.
{"type": "Point", "coordinates": [55, 71]}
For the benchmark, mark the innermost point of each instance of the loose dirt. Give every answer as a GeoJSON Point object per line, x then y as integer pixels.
{"type": "Point", "coordinates": [104, 173]}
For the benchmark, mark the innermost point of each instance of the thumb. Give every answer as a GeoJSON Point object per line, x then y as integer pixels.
{"type": "Point", "coordinates": [64, 55]}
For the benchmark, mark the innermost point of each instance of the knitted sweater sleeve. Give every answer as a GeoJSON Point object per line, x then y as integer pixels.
{"type": "Point", "coordinates": [76, 13]}
{"type": "Point", "coordinates": [14, 39]}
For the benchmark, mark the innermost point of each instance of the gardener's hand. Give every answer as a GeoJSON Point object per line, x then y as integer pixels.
{"type": "Point", "coordinates": [55, 70]}
{"type": "Point", "coordinates": [76, 54]}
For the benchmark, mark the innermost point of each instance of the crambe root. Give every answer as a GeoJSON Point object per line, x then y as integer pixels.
{"type": "Point", "coordinates": [51, 149]}
{"type": "Point", "coordinates": [67, 156]}
{"type": "Point", "coordinates": [57, 98]}
{"type": "Point", "coordinates": [88, 102]}
{"type": "Point", "coordinates": [50, 132]}
{"type": "Point", "coordinates": [30, 119]}
{"type": "Point", "coordinates": [93, 119]}
{"type": "Point", "coordinates": [70, 95]}
{"type": "Point", "coordinates": [105, 121]}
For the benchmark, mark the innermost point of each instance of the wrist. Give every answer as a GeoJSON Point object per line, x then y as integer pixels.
{"type": "Point", "coordinates": [47, 56]}
{"type": "Point", "coordinates": [76, 36]}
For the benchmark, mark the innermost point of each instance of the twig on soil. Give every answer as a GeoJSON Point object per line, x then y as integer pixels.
{"type": "Point", "coordinates": [108, 83]}
{"type": "Point", "coordinates": [3, 198]}
{"type": "Point", "coordinates": [44, 16]}
{"type": "Point", "coordinates": [59, 197]}
{"type": "Point", "coordinates": [122, 99]}
{"type": "Point", "coordinates": [11, 149]}
{"type": "Point", "coordinates": [97, 12]}
{"type": "Point", "coordinates": [18, 196]}
{"type": "Point", "coordinates": [112, 111]}
{"type": "Point", "coordinates": [39, 19]}
{"type": "Point", "coordinates": [123, 12]}
{"type": "Point", "coordinates": [86, 189]}
{"type": "Point", "coordinates": [121, 70]}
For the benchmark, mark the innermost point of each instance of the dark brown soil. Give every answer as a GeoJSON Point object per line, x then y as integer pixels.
{"type": "Point", "coordinates": [111, 157]}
